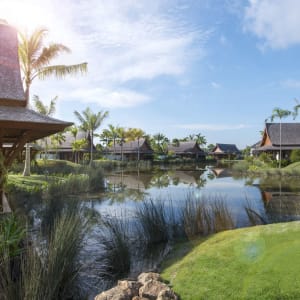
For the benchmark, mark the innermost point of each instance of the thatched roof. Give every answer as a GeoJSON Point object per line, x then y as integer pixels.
{"type": "Point", "coordinates": [18, 125]}
{"type": "Point", "coordinates": [132, 147]}
{"type": "Point", "coordinates": [11, 89]}
{"type": "Point", "coordinates": [66, 145]}
{"type": "Point", "coordinates": [225, 149]}
{"type": "Point", "coordinates": [190, 147]}
{"type": "Point", "coordinates": [290, 133]}
{"type": "Point", "coordinates": [15, 121]}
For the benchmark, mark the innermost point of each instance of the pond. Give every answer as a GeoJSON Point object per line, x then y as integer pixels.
{"type": "Point", "coordinates": [178, 198]}
{"type": "Point", "coordinates": [274, 199]}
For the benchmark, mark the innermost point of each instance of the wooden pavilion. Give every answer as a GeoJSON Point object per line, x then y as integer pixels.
{"type": "Point", "coordinates": [18, 124]}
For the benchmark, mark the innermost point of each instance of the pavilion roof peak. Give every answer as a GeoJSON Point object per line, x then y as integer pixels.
{"type": "Point", "coordinates": [11, 88]}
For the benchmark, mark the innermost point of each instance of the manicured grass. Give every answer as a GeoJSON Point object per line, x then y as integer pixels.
{"type": "Point", "coordinates": [38, 182]}
{"type": "Point", "coordinates": [261, 262]}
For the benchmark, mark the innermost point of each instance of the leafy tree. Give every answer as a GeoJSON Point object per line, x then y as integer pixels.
{"type": "Point", "coordinates": [90, 122]}
{"type": "Point", "coordinates": [35, 61]}
{"type": "Point", "coordinates": [295, 155]}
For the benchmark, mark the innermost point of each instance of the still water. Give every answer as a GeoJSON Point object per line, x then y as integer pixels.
{"type": "Point", "coordinates": [272, 199]}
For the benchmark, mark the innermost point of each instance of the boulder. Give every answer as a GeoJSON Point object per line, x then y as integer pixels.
{"type": "Point", "coordinates": [144, 277]}
{"type": "Point", "coordinates": [114, 294]}
{"type": "Point", "coordinates": [151, 289]}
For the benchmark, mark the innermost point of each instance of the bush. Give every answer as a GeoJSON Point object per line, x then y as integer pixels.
{"type": "Point", "coordinates": [295, 155]}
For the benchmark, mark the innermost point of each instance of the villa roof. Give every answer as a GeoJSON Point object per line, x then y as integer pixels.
{"type": "Point", "coordinates": [186, 147]}
{"type": "Point", "coordinates": [132, 147]}
{"type": "Point", "coordinates": [66, 145]}
{"type": "Point", "coordinates": [15, 121]}
{"type": "Point", "coordinates": [11, 91]}
{"type": "Point", "coordinates": [290, 133]}
{"type": "Point", "coordinates": [226, 149]}
{"type": "Point", "coordinates": [18, 125]}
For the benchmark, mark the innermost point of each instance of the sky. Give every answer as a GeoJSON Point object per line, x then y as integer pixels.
{"type": "Point", "coordinates": [215, 67]}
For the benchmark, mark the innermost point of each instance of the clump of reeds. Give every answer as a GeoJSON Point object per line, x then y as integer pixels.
{"type": "Point", "coordinates": [254, 217]}
{"type": "Point", "coordinates": [116, 259]}
{"type": "Point", "coordinates": [206, 215]}
{"type": "Point", "coordinates": [49, 271]}
{"type": "Point", "coordinates": [153, 221]}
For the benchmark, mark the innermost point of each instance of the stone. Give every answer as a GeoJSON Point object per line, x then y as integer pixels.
{"type": "Point", "coordinates": [151, 289]}
{"type": "Point", "coordinates": [131, 287]}
{"type": "Point", "coordinates": [167, 294]}
{"type": "Point", "coordinates": [144, 277]}
{"type": "Point", "coordinates": [113, 294]}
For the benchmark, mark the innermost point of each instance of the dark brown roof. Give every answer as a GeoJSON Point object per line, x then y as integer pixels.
{"type": "Point", "coordinates": [66, 145]}
{"type": "Point", "coordinates": [132, 147]}
{"type": "Point", "coordinates": [186, 147]}
{"type": "Point", "coordinates": [15, 121]}
{"type": "Point", "coordinates": [227, 148]}
{"type": "Point", "coordinates": [290, 133]}
{"type": "Point", "coordinates": [11, 89]}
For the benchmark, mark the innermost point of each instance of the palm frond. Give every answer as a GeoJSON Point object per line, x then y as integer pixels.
{"type": "Point", "coordinates": [61, 71]}
{"type": "Point", "coordinates": [48, 54]}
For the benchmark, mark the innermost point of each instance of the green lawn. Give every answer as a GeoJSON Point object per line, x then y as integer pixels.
{"type": "Point", "coordinates": [260, 262]}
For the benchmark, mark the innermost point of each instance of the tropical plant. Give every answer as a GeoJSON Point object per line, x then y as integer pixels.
{"type": "Point", "coordinates": [159, 142]}
{"type": "Point", "coordinates": [77, 145]}
{"type": "Point", "coordinates": [122, 135]}
{"type": "Point", "coordinates": [89, 123]}
{"type": "Point", "coordinates": [136, 134]}
{"type": "Point", "coordinates": [57, 139]}
{"type": "Point", "coordinates": [35, 60]}
{"type": "Point", "coordinates": [46, 111]}
{"type": "Point", "coordinates": [279, 113]}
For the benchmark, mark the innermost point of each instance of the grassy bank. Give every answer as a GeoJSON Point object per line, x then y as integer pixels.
{"type": "Point", "coordinates": [261, 262]}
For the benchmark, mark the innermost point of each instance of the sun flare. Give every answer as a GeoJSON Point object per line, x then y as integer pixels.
{"type": "Point", "coordinates": [23, 15]}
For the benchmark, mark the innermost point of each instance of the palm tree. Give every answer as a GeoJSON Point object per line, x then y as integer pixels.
{"type": "Point", "coordinates": [57, 139]}
{"type": "Point", "coordinates": [90, 122]}
{"type": "Point", "coordinates": [136, 134]}
{"type": "Point", "coordinates": [46, 111]}
{"type": "Point", "coordinates": [160, 141]}
{"type": "Point", "coordinates": [296, 108]}
{"type": "Point", "coordinates": [279, 113]}
{"type": "Point", "coordinates": [35, 61]}
{"type": "Point", "coordinates": [122, 135]}
{"type": "Point", "coordinates": [200, 139]}
{"type": "Point", "coordinates": [113, 131]}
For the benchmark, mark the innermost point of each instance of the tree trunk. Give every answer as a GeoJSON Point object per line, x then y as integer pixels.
{"type": "Point", "coordinates": [91, 141]}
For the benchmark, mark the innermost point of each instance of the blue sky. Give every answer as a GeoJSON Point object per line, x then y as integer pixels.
{"type": "Point", "coordinates": [215, 67]}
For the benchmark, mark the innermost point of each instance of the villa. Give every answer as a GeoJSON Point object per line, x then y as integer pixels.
{"type": "Point", "coordinates": [276, 137]}
{"type": "Point", "coordinates": [225, 151]}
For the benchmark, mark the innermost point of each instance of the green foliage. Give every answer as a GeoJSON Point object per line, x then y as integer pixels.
{"type": "Point", "coordinates": [116, 259]}
{"type": "Point", "coordinates": [12, 232]}
{"type": "Point", "coordinates": [295, 155]}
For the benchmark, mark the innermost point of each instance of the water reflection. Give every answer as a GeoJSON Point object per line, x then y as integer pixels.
{"type": "Point", "coordinates": [250, 199]}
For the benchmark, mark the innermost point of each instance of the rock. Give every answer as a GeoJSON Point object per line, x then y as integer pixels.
{"type": "Point", "coordinates": [113, 294]}
{"type": "Point", "coordinates": [144, 277]}
{"type": "Point", "coordinates": [151, 289]}
{"type": "Point", "coordinates": [148, 287]}
{"type": "Point", "coordinates": [131, 287]}
{"type": "Point", "coordinates": [167, 294]}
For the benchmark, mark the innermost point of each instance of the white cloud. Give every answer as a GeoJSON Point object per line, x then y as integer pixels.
{"type": "Point", "coordinates": [107, 98]}
{"type": "Point", "coordinates": [291, 83]}
{"type": "Point", "coordinates": [122, 41]}
{"type": "Point", "coordinates": [212, 127]}
{"type": "Point", "coordinates": [276, 22]}
{"type": "Point", "coordinates": [215, 85]}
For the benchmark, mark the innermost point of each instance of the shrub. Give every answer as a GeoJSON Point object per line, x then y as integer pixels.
{"type": "Point", "coordinates": [295, 155]}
